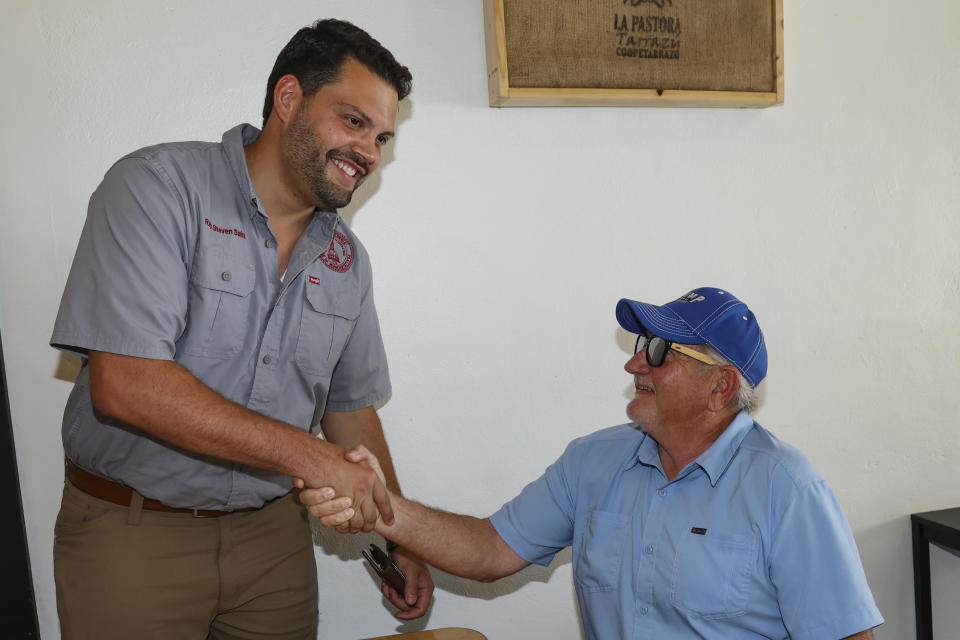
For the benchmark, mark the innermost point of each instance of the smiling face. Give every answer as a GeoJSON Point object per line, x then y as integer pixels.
{"type": "Point", "coordinates": [668, 398]}
{"type": "Point", "coordinates": [334, 139]}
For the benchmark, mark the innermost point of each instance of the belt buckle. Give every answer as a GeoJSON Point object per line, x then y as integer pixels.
{"type": "Point", "coordinates": [196, 513]}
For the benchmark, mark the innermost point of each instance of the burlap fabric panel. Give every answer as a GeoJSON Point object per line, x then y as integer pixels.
{"type": "Point", "coordinates": [718, 45]}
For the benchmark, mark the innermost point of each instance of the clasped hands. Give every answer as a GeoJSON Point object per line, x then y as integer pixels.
{"type": "Point", "coordinates": [360, 471]}
{"type": "Point", "coordinates": [341, 513]}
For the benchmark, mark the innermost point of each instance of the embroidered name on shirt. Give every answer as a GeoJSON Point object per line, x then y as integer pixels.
{"type": "Point", "coordinates": [226, 232]}
{"type": "Point", "coordinates": [700, 531]}
{"type": "Point", "coordinates": [339, 256]}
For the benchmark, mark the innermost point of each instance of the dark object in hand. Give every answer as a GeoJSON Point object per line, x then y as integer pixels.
{"type": "Point", "coordinates": [386, 568]}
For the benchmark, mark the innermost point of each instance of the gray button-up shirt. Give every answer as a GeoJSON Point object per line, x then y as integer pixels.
{"type": "Point", "coordinates": [177, 261]}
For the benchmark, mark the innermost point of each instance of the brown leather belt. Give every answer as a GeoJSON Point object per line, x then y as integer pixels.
{"type": "Point", "coordinates": [100, 487]}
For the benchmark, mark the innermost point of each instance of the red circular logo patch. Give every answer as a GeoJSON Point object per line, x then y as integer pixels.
{"type": "Point", "coordinates": [339, 256]}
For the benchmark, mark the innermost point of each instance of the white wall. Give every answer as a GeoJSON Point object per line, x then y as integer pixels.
{"type": "Point", "coordinates": [502, 239]}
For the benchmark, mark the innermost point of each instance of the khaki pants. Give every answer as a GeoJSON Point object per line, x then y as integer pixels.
{"type": "Point", "coordinates": [127, 573]}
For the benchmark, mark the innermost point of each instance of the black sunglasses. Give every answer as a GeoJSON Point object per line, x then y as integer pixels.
{"type": "Point", "coordinates": [657, 348]}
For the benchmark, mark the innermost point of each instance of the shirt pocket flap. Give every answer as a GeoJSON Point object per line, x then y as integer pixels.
{"type": "Point", "coordinates": [341, 299]}
{"type": "Point", "coordinates": [213, 269]}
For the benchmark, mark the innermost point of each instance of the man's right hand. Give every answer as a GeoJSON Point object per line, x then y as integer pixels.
{"type": "Point", "coordinates": [358, 483]}
{"type": "Point", "coordinates": [335, 509]}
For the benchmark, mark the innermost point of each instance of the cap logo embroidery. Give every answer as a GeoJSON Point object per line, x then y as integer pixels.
{"type": "Point", "coordinates": [339, 257]}
{"type": "Point", "coordinates": [693, 296]}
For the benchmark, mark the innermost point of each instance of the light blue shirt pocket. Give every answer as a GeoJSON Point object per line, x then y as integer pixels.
{"type": "Point", "coordinates": [711, 572]}
{"type": "Point", "coordinates": [604, 539]}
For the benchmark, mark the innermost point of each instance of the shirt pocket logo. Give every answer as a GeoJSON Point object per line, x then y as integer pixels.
{"type": "Point", "coordinates": [711, 572]}
{"type": "Point", "coordinates": [601, 551]}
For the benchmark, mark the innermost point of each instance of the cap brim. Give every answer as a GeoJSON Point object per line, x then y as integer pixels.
{"type": "Point", "coordinates": [635, 316]}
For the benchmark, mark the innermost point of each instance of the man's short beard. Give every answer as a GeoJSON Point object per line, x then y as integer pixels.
{"type": "Point", "coordinates": [304, 152]}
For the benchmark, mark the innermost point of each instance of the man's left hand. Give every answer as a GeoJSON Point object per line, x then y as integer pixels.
{"type": "Point", "coordinates": [419, 588]}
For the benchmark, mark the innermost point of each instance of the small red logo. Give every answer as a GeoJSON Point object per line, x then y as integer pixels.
{"type": "Point", "coordinates": [314, 280]}
{"type": "Point", "coordinates": [339, 256]}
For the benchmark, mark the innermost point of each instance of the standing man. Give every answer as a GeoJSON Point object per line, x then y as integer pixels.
{"type": "Point", "coordinates": [693, 521]}
{"type": "Point", "coordinates": [222, 310]}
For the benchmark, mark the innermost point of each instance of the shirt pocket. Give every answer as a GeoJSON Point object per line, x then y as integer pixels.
{"type": "Point", "coordinates": [328, 317]}
{"type": "Point", "coordinates": [219, 310]}
{"type": "Point", "coordinates": [601, 551]}
{"type": "Point", "coordinates": [711, 573]}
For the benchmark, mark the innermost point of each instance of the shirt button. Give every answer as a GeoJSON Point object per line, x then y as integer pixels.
{"type": "Point", "coordinates": [662, 492]}
{"type": "Point", "coordinates": [270, 243]}
{"type": "Point", "coordinates": [649, 548]}
{"type": "Point", "coordinates": [225, 276]}
{"type": "Point", "coordinates": [267, 359]}
{"type": "Point", "coordinates": [643, 610]}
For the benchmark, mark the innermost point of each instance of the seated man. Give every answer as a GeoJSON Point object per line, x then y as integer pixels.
{"type": "Point", "coordinates": [693, 521]}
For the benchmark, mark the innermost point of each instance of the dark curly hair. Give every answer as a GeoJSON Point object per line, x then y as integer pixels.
{"type": "Point", "coordinates": [316, 54]}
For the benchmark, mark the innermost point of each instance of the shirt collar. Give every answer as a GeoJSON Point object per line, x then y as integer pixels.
{"type": "Point", "coordinates": [648, 451]}
{"type": "Point", "coordinates": [714, 461]}
{"type": "Point", "coordinates": [316, 240]}
{"type": "Point", "coordinates": [233, 141]}
{"type": "Point", "coordinates": [319, 233]}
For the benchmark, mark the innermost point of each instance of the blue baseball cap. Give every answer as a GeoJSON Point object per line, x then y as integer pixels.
{"type": "Point", "coordinates": [704, 316]}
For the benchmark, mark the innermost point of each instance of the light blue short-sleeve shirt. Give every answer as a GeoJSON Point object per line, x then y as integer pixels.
{"type": "Point", "coordinates": [177, 262]}
{"type": "Point", "coordinates": [748, 541]}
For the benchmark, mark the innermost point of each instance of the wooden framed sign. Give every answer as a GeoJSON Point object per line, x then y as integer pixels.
{"type": "Point", "coordinates": [676, 53]}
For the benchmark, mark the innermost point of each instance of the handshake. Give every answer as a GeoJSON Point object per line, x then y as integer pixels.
{"type": "Point", "coordinates": [365, 504]}
{"type": "Point", "coordinates": [370, 500]}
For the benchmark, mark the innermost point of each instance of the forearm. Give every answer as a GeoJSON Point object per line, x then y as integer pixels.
{"type": "Point", "coordinates": [867, 634]}
{"type": "Point", "coordinates": [462, 545]}
{"type": "Point", "coordinates": [165, 400]}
